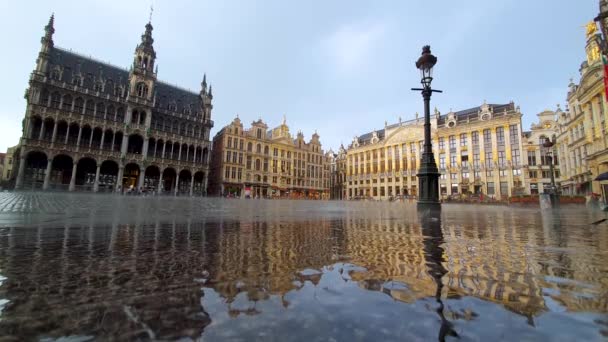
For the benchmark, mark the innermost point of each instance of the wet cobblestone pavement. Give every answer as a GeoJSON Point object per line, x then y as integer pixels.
{"type": "Point", "coordinates": [102, 267]}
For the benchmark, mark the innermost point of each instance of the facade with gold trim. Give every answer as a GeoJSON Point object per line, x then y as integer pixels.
{"type": "Point", "coordinates": [582, 143]}
{"type": "Point", "coordinates": [267, 163]}
{"type": "Point", "coordinates": [478, 151]}
{"type": "Point", "coordinates": [537, 158]}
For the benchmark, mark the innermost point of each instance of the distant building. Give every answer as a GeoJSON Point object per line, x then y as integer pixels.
{"type": "Point", "coordinates": [338, 174]}
{"type": "Point", "coordinates": [537, 158]}
{"type": "Point", "coordinates": [478, 151]}
{"type": "Point", "coordinates": [92, 126]}
{"type": "Point", "coordinates": [10, 159]}
{"type": "Point", "coordinates": [261, 162]}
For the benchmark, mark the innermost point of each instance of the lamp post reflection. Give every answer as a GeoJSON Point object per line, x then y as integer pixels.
{"type": "Point", "coordinates": [430, 223]}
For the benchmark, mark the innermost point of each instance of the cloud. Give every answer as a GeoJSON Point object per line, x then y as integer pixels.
{"type": "Point", "coordinates": [349, 47]}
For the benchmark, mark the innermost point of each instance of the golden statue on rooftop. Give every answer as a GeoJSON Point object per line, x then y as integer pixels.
{"type": "Point", "coordinates": [591, 29]}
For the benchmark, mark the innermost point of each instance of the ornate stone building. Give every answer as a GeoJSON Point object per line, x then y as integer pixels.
{"type": "Point", "coordinates": [93, 126]}
{"type": "Point", "coordinates": [538, 158]}
{"type": "Point", "coordinates": [478, 151]}
{"type": "Point", "coordinates": [338, 174]}
{"type": "Point", "coordinates": [258, 162]}
{"type": "Point", "coordinates": [581, 132]}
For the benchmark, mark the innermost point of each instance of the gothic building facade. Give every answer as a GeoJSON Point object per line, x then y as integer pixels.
{"type": "Point", "coordinates": [92, 126]}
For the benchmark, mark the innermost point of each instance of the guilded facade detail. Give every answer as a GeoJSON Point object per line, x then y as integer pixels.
{"type": "Point", "coordinates": [93, 126]}
{"type": "Point", "coordinates": [260, 162]}
{"type": "Point", "coordinates": [478, 151]}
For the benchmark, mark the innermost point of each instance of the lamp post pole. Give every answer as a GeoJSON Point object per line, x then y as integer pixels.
{"type": "Point", "coordinates": [428, 174]}
{"type": "Point", "coordinates": [553, 194]}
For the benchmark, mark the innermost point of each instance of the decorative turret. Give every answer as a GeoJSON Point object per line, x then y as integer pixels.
{"type": "Point", "coordinates": [46, 46]}
{"type": "Point", "coordinates": [141, 75]}
{"type": "Point", "coordinates": [144, 53]}
{"type": "Point", "coordinates": [206, 97]}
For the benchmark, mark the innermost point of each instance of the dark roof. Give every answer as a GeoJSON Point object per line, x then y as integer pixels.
{"type": "Point", "coordinates": [471, 113]}
{"type": "Point", "coordinates": [92, 69]}
{"type": "Point", "coordinates": [463, 115]}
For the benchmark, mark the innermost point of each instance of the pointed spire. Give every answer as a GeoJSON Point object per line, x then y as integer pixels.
{"type": "Point", "coordinates": [49, 29]}
{"type": "Point", "coordinates": [210, 91]}
{"type": "Point", "coordinates": [204, 84]}
{"type": "Point", "coordinates": [156, 69]}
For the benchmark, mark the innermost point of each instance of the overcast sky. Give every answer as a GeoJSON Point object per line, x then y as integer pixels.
{"type": "Point", "coordinates": [340, 67]}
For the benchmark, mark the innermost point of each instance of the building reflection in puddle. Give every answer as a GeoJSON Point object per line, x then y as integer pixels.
{"type": "Point", "coordinates": [365, 273]}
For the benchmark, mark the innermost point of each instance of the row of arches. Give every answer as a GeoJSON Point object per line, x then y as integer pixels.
{"type": "Point", "coordinates": [79, 105]}
{"type": "Point", "coordinates": [111, 112]}
{"type": "Point", "coordinates": [62, 172]}
{"type": "Point", "coordinates": [177, 127]}
{"type": "Point", "coordinates": [74, 134]}
{"type": "Point", "coordinates": [97, 138]}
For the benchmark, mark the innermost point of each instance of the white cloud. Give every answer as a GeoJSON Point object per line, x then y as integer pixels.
{"type": "Point", "coordinates": [349, 47]}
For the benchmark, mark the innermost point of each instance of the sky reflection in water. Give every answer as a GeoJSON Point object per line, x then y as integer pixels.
{"type": "Point", "coordinates": [91, 267]}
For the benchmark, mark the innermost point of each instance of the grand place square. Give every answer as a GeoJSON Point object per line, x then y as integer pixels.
{"type": "Point", "coordinates": [324, 181]}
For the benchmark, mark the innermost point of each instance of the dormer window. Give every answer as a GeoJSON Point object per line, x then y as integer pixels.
{"type": "Point", "coordinates": [77, 80]}
{"type": "Point", "coordinates": [98, 86]}
{"type": "Point", "coordinates": [172, 106]}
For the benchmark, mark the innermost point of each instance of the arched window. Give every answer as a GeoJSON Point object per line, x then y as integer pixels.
{"type": "Point", "coordinates": [79, 105]}
{"type": "Point", "coordinates": [55, 74]}
{"type": "Point", "coordinates": [109, 85]}
{"type": "Point", "coordinates": [110, 112]}
{"type": "Point", "coordinates": [142, 90]}
{"type": "Point", "coordinates": [258, 148]}
{"type": "Point", "coordinates": [100, 112]}
{"type": "Point", "coordinates": [259, 133]}
{"type": "Point", "coordinates": [175, 126]}
{"type": "Point", "coordinates": [266, 150]}
{"type": "Point", "coordinates": [197, 131]}
{"type": "Point", "coordinates": [189, 130]}
{"type": "Point", "coordinates": [90, 108]}
{"type": "Point", "coordinates": [44, 97]}
{"type": "Point", "coordinates": [249, 146]}
{"type": "Point", "coordinates": [258, 164]}
{"type": "Point", "coordinates": [55, 100]}
{"type": "Point", "coordinates": [134, 117]}
{"type": "Point", "coordinates": [67, 102]}
{"type": "Point", "coordinates": [120, 114]}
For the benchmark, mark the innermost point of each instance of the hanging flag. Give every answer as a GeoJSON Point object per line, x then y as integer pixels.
{"type": "Point", "coordinates": [605, 62]}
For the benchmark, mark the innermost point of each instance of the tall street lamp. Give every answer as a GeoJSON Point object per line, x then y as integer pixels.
{"type": "Point", "coordinates": [428, 174]}
{"type": "Point", "coordinates": [548, 144]}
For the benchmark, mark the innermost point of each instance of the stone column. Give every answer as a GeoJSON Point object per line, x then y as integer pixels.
{"type": "Point", "coordinates": [118, 184]}
{"type": "Point", "coordinates": [41, 135]}
{"type": "Point", "coordinates": [79, 135]}
{"type": "Point", "coordinates": [176, 184]}
{"type": "Point", "coordinates": [54, 132]}
{"type": "Point", "coordinates": [172, 145]}
{"type": "Point", "coordinates": [20, 174]}
{"type": "Point", "coordinates": [160, 182]}
{"type": "Point", "coordinates": [47, 175]}
{"type": "Point", "coordinates": [103, 136]}
{"type": "Point", "coordinates": [164, 145]}
{"type": "Point", "coordinates": [140, 179]}
{"type": "Point", "coordinates": [91, 138]}
{"type": "Point", "coordinates": [125, 142]}
{"type": "Point", "coordinates": [113, 139]}
{"type": "Point", "coordinates": [96, 184]}
{"type": "Point", "coordinates": [67, 135]}
{"type": "Point", "coordinates": [73, 179]}
{"type": "Point", "coordinates": [179, 153]}
{"type": "Point", "coordinates": [191, 183]}
{"type": "Point", "coordinates": [144, 149]}
{"type": "Point", "coordinates": [30, 127]}
{"type": "Point", "coordinates": [205, 184]}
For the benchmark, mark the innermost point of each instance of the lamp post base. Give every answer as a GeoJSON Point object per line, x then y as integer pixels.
{"type": "Point", "coordinates": [428, 205]}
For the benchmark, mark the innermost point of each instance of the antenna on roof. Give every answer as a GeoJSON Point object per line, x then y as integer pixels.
{"type": "Point", "coordinates": [151, 10]}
